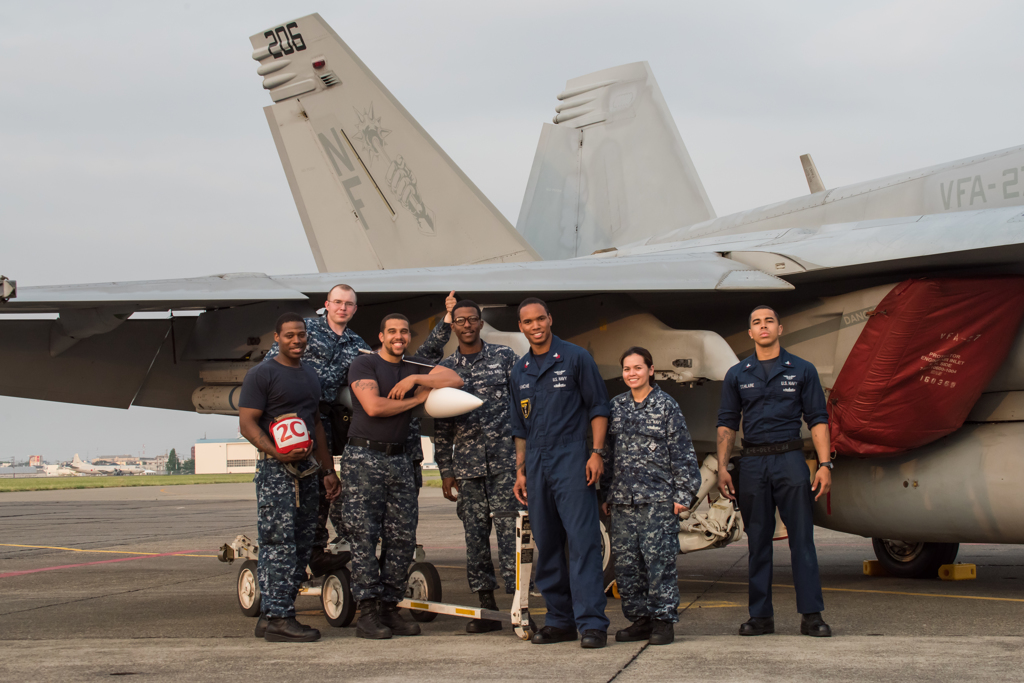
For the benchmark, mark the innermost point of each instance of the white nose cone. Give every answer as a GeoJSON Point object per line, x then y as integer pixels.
{"type": "Point", "coordinates": [448, 402]}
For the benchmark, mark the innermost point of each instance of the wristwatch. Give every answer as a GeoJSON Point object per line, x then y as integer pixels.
{"type": "Point", "coordinates": [828, 465]}
{"type": "Point", "coordinates": [600, 451]}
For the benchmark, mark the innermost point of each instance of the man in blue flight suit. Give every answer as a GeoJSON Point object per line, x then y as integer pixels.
{"type": "Point", "coordinates": [556, 391]}
{"type": "Point", "coordinates": [773, 389]}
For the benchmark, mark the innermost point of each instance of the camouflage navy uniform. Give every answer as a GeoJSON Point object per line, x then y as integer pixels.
{"type": "Point", "coordinates": [478, 450]}
{"type": "Point", "coordinates": [650, 465]}
{"type": "Point", "coordinates": [285, 534]}
{"type": "Point", "coordinates": [330, 354]}
{"type": "Point", "coordinates": [366, 475]}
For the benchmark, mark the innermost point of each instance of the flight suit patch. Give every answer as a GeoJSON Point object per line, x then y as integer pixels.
{"type": "Point", "coordinates": [525, 405]}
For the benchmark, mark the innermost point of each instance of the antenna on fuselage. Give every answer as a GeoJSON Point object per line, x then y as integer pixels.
{"type": "Point", "coordinates": [811, 171]}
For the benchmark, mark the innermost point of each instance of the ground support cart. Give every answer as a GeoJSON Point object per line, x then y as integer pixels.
{"type": "Point", "coordinates": [423, 597]}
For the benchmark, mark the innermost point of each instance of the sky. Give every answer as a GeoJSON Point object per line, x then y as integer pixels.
{"type": "Point", "coordinates": [133, 145]}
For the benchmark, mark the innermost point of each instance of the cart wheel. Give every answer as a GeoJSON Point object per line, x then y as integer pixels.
{"type": "Point", "coordinates": [424, 584]}
{"type": "Point", "coordinates": [248, 589]}
{"type": "Point", "coordinates": [336, 597]}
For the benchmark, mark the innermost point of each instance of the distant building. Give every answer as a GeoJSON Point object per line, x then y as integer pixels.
{"type": "Point", "coordinates": [224, 456]}
{"type": "Point", "coordinates": [156, 464]}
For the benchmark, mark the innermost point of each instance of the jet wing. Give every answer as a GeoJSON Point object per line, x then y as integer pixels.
{"type": "Point", "coordinates": [94, 354]}
{"type": "Point", "coordinates": [156, 295]}
{"type": "Point", "coordinates": [658, 272]}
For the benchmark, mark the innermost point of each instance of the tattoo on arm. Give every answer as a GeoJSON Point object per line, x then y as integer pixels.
{"type": "Point", "coordinates": [726, 441]}
{"type": "Point", "coordinates": [368, 384]}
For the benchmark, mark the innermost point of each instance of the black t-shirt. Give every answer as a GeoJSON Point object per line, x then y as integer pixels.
{"type": "Point", "coordinates": [471, 357]}
{"type": "Point", "coordinates": [394, 429]}
{"type": "Point", "coordinates": [768, 366]}
{"type": "Point", "coordinates": [278, 389]}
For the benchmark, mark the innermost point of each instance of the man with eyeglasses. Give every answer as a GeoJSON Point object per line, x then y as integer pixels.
{"type": "Point", "coordinates": [331, 347]}
{"type": "Point", "coordinates": [476, 455]}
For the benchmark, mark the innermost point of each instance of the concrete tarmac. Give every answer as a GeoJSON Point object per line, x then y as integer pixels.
{"type": "Point", "coordinates": [123, 581]}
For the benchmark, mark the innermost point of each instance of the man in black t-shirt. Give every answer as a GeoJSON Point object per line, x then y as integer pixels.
{"type": "Point", "coordinates": [379, 501]}
{"type": "Point", "coordinates": [286, 494]}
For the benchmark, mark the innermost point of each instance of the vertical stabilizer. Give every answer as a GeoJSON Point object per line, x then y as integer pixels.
{"type": "Point", "coordinates": [372, 188]}
{"type": "Point", "coordinates": [612, 169]}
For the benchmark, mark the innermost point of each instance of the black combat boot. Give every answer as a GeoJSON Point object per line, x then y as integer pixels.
{"type": "Point", "coordinates": [485, 625]}
{"type": "Point", "coordinates": [757, 626]}
{"type": "Point", "coordinates": [287, 630]}
{"type": "Point", "coordinates": [390, 617]}
{"type": "Point", "coordinates": [369, 624]}
{"type": "Point", "coordinates": [261, 626]}
{"type": "Point", "coordinates": [593, 639]}
{"type": "Point", "coordinates": [322, 563]}
{"type": "Point", "coordinates": [663, 633]}
{"type": "Point", "coordinates": [638, 630]}
{"type": "Point", "coordinates": [813, 625]}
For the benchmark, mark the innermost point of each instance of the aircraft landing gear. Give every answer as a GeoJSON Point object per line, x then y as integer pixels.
{"type": "Point", "coordinates": [910, 560]}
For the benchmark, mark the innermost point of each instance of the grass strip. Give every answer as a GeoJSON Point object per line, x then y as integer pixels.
{"type": "Point", "coordinates": [431, 478]}
{"type": "Point", "coordinates": [100, 482]}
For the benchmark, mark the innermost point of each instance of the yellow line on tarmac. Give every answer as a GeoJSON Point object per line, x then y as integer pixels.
{"type": "Point", "coordinates": [865, 590]}
{"type": "Point", "coordinates": [86, 550]}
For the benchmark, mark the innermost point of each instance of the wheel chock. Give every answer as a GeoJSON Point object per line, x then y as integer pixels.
{"type": "Point", "coordinates": [958, 572]}
{"type": "Point", "coordinates": [874, 568]}
{"type": "Point", "coordinates": [615, 590]}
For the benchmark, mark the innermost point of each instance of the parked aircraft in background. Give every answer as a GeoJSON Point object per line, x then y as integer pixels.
{"type": "Point", "coordinates": [905, 291]}
{"type": "Point", "coordinates": [82, 467]}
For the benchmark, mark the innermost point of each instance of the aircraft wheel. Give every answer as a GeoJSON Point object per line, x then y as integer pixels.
{"type": "Point", "coordinates": [248, 589]}
{"type": "Point", "coordinates": [336, 598]}
{"type": "Point", "coordinates": [424, 584]}
{"type": "Point", "coordinates": [909, 560]}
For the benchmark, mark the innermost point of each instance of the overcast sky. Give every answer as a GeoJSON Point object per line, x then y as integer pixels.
{"type": "Point", "coordinates": [133, 145]}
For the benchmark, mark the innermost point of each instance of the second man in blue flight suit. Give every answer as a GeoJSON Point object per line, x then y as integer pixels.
{"type": "Point", "coordinates": [773, 389]}
{"type": "Point", "coordinates": [556, 392]}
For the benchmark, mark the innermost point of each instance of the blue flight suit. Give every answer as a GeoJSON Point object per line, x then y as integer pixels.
{"type": "Point", "coordinates": [772, 407]}
{"type": "Point", "coordinates": [553, 402]}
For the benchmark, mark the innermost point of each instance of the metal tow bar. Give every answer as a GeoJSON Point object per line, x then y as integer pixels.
{"type": "Point", "coordinates": [519, 615]}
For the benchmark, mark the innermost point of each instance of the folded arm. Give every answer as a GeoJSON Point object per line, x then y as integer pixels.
{"type": "Point", "coordinates": [368, 394]}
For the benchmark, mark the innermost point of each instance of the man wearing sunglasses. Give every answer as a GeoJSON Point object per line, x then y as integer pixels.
{"type": "Point", "coordinates": [476, 455]}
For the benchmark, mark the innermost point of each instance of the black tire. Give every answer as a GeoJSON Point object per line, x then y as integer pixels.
{"type": "Point", "coordinates": [909, 560]}
{"type": "Point", "coordinates": [607, 559]}
{"type": "Point", "coordinates": [424, 584]}
{"type": "Point", "coordinates": [336, 598]}
{"type": "Point", "coordinates": [247, 589]}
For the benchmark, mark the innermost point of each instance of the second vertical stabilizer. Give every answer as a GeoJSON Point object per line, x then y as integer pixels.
{"type": "Point", "coordinates": [611, 170]}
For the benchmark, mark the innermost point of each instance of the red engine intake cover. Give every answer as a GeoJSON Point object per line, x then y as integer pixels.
{"type": "Point", "coordinates": [923, 359]}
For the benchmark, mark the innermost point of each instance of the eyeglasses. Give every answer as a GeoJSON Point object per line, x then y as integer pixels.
{"type": "Point", "coordinates": [471, 320]}
{"type": "Point", "coordinates": [342, 304]}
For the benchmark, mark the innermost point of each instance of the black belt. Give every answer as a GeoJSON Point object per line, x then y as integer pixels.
{"type": "Point", "coordinates": [771, 448]}
{"type": "Point", "coordinates": [381, 446]}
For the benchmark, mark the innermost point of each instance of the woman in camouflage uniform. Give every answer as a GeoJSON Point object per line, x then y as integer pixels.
{"type": "Point", "coordinates": [651, 476]}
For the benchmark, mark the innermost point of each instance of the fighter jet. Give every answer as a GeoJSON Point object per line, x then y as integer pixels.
{"type": "Point", "coordinates": [82, 467]}
{"type": "Point", "coordinates": [905, 291]}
